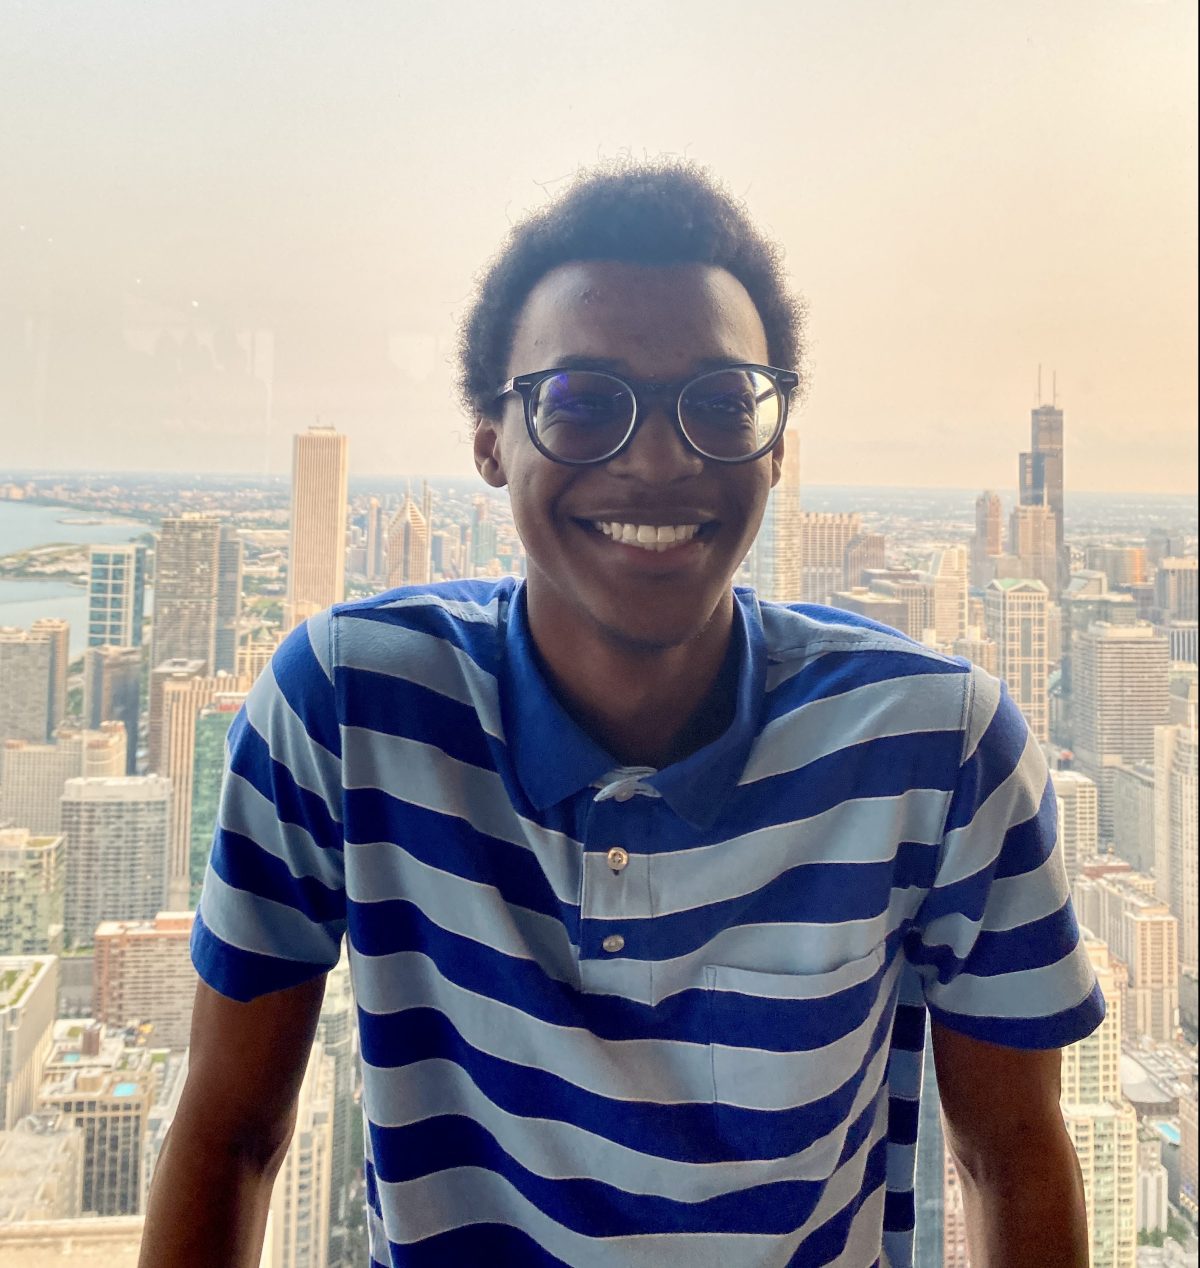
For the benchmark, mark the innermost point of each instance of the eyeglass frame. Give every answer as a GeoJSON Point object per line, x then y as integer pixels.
{"type": "Point", "coordinates": [642, 392]}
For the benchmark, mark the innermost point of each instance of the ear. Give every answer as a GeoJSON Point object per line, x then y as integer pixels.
{"type": "Point", "coordinates": [488, 457]}
{"type": "Point", "coordinates": [777, 460]}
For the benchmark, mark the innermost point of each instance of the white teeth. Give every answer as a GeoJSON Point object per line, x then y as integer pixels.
{"type": "Point", "coordinates": [657, 537]}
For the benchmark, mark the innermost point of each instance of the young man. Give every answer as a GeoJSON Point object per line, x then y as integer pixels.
{"type": "Point", "coordinates": [648, 886]}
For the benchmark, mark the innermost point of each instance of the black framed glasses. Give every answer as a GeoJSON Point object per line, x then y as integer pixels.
{"type": "Point", "coordinates": [578, 416]}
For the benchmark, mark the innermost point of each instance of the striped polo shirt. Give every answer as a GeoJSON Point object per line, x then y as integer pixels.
{"type": "Point", "coordinates": [635, 1017]}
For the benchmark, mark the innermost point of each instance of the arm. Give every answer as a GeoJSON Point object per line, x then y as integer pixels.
{"type": "Point", "coordinates": [1021, 1183]}
{"type": "Point", "coordinates": [212, 1185]}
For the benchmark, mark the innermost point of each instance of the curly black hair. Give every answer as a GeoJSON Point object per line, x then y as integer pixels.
{"type": "Point", "coordinates": [668, 211]}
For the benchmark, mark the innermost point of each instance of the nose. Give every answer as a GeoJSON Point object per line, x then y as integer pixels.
{"type": "Point", "coordinates": [657, 453]}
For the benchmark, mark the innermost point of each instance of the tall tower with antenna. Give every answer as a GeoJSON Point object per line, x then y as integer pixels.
{"type": "Point", "coordinates": [1041, 470]}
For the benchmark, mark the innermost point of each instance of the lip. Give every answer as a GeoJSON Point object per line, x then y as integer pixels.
{"type": "Point", "coordinates": [660, 517]}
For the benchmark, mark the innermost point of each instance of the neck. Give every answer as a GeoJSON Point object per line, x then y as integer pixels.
{"type": "Point", "coordinates": [646, 706]}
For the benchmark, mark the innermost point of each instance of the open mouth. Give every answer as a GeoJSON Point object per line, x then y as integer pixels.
{"type": "Point", "coordinates": [651, 537]}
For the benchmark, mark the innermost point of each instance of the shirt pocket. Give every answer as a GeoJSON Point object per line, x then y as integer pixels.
{"type": "Point", "coordinates": [796, 1059]}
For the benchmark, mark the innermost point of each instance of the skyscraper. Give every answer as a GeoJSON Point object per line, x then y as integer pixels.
{"type": "Point", "coordinates": [408, 546]}
{"type": "Point", "coordinates": [376, 547]}
{"type": "Point", "coordinates": [775, 557]}
{"type": "Point", "coordinates": [229, 601]}
{"type": "Point", "coordinates": [116, 595]}
{"type": "Point", "coordinates": [32, 887]}
{"type": "Point", "coordinates": [1032, 543]}
{"type": "Point", "coordinates": [1123, 912]}
{"type": "Point", "coordinates": [1015, 613]}
{"type": "Point", "coordinates": [143, 973]}
{"type": "Point", "coordinates": [1041, 476]}
{"type": "Point", "coordinates": [1175, 835]}
{"type": "Point", "coordinates": [212, 726]}
{"type": "Point", "coordinates": [183, 698]}
{"type": "Point", "coordinates": [169, 671]}
{"type": "Point", "coordinates": [1119, 695]}
{"type": "Point", "coordinates": [1103, 1126]}
{"type": "Point", "coordinates": [823, 540]}
{"type": "Point", "coordinates": [112, 682]}
{"type": "Point", "coordinates": [106, 1089]}
{"type": "Point", "coordinates": [317, 543]}
{"type": "Point", "coordinates": [986, 544]}
{"type": "Point", "coordinates": [25, 686]}
{"type": "Point", "coordinates": [948, 575]}
{"type": "Point", "coordinates": [28, 992]}
{"type": "Point", "coordinates": [1175, 589]}
{"type": "Point", "coordinates": [32, 776]}
{"type": "Point", "coordinates": [1075, 795]}
{"type": "Point", "coordinates": [300, 1199]}
{"type": "Point", "coordinates": [117, 851]}
{"type": "Point", "coordinates": [187, 566]}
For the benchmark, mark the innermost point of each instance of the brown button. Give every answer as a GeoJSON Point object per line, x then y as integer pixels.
{"type": "Point", "coordinates": [617, 858]}
{"type": "Point", "coordinates": [614, 942]}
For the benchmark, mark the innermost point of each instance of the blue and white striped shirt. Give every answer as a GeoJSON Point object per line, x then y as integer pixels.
{"type": "Point", "coordinates": [705, 1050]}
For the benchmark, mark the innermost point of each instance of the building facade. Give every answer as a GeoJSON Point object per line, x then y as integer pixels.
{"type": "Point", "coordinates": [1015, 616]}
{"type": "Point", "coordinates": [116, 595]}
{"type": "Point", "coordinates": [317, 542]}
{"type": "Point", "coordinates": [143, 973]}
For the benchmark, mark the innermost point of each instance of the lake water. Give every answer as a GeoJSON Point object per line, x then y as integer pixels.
{"type": "Point", "coordinates": [24, 527]}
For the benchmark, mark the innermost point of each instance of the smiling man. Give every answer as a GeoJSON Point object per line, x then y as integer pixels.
{"type": "Point", "coordinates": [649, 888]}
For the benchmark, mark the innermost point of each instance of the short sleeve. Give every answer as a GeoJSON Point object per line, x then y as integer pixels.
{"type": "Point", "coordinates": [273, 908]}
{"type": "Point", "coordinates": [996, 942]}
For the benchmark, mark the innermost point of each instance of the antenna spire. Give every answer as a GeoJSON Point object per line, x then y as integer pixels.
{"type": "Point", "coordinates": [1039, 391]}
{"type": "Point", "coordinates": [1054, 389]}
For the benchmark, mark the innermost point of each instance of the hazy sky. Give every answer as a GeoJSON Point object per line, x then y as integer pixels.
{"type": "Point", "coordinates": [203, 199]}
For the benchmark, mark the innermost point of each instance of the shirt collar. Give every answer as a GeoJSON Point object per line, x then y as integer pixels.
{"type": "Point", "coordinates": [555, 758]}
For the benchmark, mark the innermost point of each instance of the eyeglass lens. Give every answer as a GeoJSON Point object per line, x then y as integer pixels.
{"type": "Point", "coordinates": [585, 415]}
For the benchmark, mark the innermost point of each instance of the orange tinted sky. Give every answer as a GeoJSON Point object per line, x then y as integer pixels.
{"type": "Point", "coordinates": [963, 191]}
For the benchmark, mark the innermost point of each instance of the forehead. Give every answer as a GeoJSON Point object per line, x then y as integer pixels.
{"type": "Point", "coordinates": [656, 321]}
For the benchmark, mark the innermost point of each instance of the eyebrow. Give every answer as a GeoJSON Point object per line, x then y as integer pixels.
{"type": "Point", "coordinates": [616, 366]}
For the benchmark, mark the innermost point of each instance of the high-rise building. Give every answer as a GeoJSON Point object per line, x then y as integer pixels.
{"type": "Point", "coordinates": [1133, 814]}
{"type": "Point", "coordinates": [483, 533]}
{"type": "Point", "coordinates": [947, 574]}
{"type": "Point", "coordinates": [229, 601]}
{"type": "Point", "coordinates": [376, 543]}
{"type": "Point", "coordinates": [986, 544]}
{"type": "Point", "coordinates": [112, 681]}
{"type": "Point", "coordinates": [32, 888]}
{"type": "Point", "coordinates": [106, 1089]}
{"type": "Point", "coordinates": [182, 700]}
{"type": "Point", "coordinates": [300, 1199]}
{"type": "Point", "coordinates": [143, 973]}
{"type": "Point", "coordinates": [1015, 613]}
{"type": "Point", "coordinates": [29, 680]}
{"type": "Point", "coordinates": [1188, 1192]}
{"type": "Point", "coordinates": [775, 559]}
{"type": "Point", "coordinates": [28, 991]}
{"type": "Point", "coordinates": [1175, 835]}
{"type": "Point", "coordinates": [116, 595]}
{"type": "Point", "coordinates": [863, 552]}
{"type": "Point", "coordinates": [1041, 476]}
{"type": "Point", "coordinates": [1122, 911]}
{"type": "Point", "coordinates": [1124, 566]}
{"type": "Point", "coordinates": [914, 593]}
{"type": "Point", "coordinates": [317, 543]}
{"type": "Point", "coordinates": [186, 573]}
{"type": "Point", "coordinates": [1075, 794]}
{"type": "Point", "coordinates": [1119, 695]}
{"type": "Point", "coordinates": [117, 832]}
{"type": "Point", "coordinates": [1032, 543]}
{"type": "Point", "coordinates": [1175, 589]}
{"type": "Point", "coordinates": [408, 546]}
{"type": "Point", "coordinates": [212, 727]}
{"type": "Point", "coordinates": [336, 1030]}
{"type": "Point", "coordinates": [1103, 1125]}
{"type": "Point", "coordinates": [160, 675]}
{"type": "Point", "coordinates": [824, 538]}
{"type": "Point", "coordinates": [929, 1177]}
{"type": "Point", "coordinates": [32, 776]}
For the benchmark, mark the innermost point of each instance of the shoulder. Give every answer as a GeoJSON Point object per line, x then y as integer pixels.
{"type": "Point", "coordinates": [450, 617]}
{"type": "Point", "coordinates": [815, 652]}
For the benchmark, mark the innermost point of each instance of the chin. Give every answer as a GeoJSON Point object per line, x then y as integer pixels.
{"type": "Point", "coordinates": [641, 635]}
